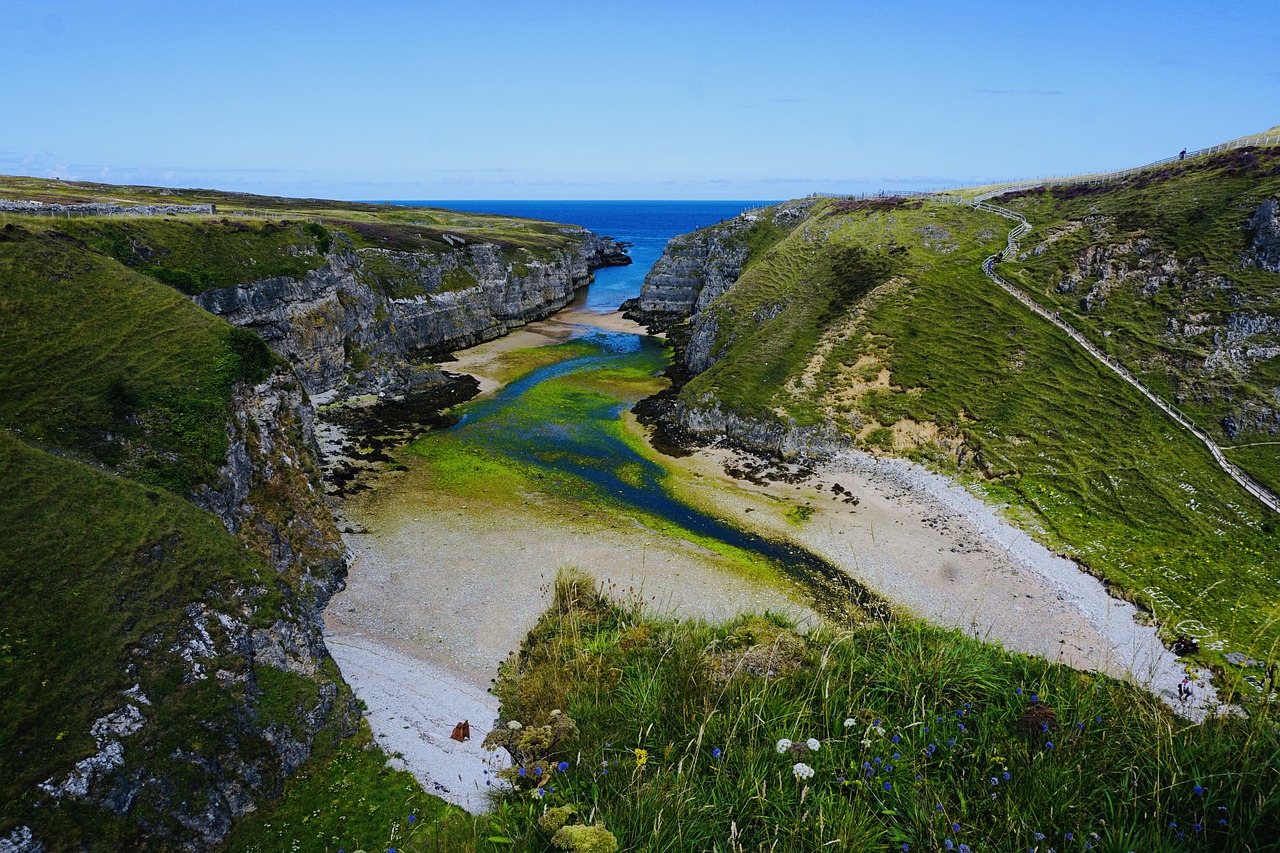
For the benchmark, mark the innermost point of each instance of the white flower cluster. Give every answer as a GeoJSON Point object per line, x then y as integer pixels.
{"type": "Point", "coordinates": [514, 725]}
{"type": "Point", "coordinates": [813, 743]}
{"type": "Point", "coordinates": [850, 723]}
{"type": "Point", "coordinates": [783, 746]}
{"type": "Point", "coordinates": [802, 771]}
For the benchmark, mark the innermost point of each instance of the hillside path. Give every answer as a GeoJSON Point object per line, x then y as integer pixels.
{"type": "Point", "coordinates": [1021, 229]}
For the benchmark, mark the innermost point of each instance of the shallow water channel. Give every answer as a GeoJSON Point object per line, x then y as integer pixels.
{"type": "Point", "coordinates": [559, 429]}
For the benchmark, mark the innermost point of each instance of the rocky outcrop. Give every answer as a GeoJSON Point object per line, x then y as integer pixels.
{"type": "Point", "coordinates": [1264, 248]}
{"type": "Point", "coordinates": [38, 208]}
{"type": "Point", "coordinates": [695, 269]}
{"type": "Point", "coordinates": [366, 320]}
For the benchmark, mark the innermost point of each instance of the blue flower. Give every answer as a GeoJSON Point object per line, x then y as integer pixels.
{"type": "Point", "coordinates": [955, 827]}
{"type": "Point", "coordinates": [959, 713]}
{"type": "Point", "coordinates": [412, 818]}
{"type": "Point", "coordinates": [521, 772]}
{"type": "Point", "coordinates": [1035, 698]}
{"type": "Point", "coordinates": [963, 848]}
{"type": "Point", "coordinates": [1039, 836]}
{"type": "Point", "coordinates": [1044, 727]}
{"type": "Point", "coordinates": [896, 756]}
{"type": "Point", "coordinates": [949, 845]}
{"type": "Point", "coordinates": [994, 781]}
{"type": "Point", "coordinates": [562, 766]}
{"type": "Point", "coordinates": [1080, 726]}
{"type": "Point", "coordinates": [897, 739]}
{"type": "Point", "coordinates": [932, 748]}
{"type": "Point", "coordinates": [1048, 744]}
{"type": "Point", "coordinates": [951, 742]}
{"type": "Point", "coordinates": [938, 807]}
{"type": "Point", "coordinates": [1005, 775]}
{"type": "Point", "coordinates": [888, 786]}
{"type": "Point", "coordinates": [905, 846]}
{"type": "Point", "coordinates": [1070, 837]}
{"type": "Point", "coordinates": [876, 723]}
{"type": "Point", "coordinates": [716, 753]}
{"type": "Point", "coordinates": [888, 768]}
{"type": "Point", "coordinates": [1198, 791]}
{"type": "Point", "coordinates": [1018, 690]}
{"type": "Point", "coordinates": [962, 728]}
{"type": "Point", "coordinates": [537, 771]}
{"type": "Point", "coordinates": [1097, 719]}
{"type": "Point", "coordinates": [1197, 827]}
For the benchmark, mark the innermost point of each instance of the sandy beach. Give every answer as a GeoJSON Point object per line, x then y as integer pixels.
{"type": "Point", "coordinates": [439, 592]}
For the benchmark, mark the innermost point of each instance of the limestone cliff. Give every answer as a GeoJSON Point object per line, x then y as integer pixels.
{"type": "Point", "coordinates": [367, 319]}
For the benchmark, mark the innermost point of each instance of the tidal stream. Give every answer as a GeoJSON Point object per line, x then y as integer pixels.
{"type": "Point", "coordinates": [559, 427]}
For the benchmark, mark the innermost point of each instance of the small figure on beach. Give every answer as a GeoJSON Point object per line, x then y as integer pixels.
{"type": "Point", "coordinates": [462, 731]}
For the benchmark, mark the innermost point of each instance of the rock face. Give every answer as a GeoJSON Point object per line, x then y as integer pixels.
{"type": "Point", "coordinates": [275, 670]}
{"type": "Point", "coordinates": [105, 209]}
{"type": "Point", "coordinates": [1264, 251]}
{"type": "Point", "coordinates": [695, 269]}
{"type": "Point", "coordinates": [365, 321]}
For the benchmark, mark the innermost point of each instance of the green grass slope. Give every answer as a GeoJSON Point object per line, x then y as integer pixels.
{"type": "Point", "coordinates": [1155, 270]}
{"type": "Point", "coordinates": [874, 319]}
{"type": "Point", "coordinates": [98, 572]}
{"type": "Point", "coordinates": [902, 737]}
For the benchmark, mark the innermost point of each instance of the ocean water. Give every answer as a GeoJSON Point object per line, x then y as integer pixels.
{"type": "Point", "coordinates": [646, 225]}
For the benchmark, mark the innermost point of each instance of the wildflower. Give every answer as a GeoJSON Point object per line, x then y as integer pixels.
{"type": "Point", "coordinates": [642, 756]}
{"type": "Point", "coordinates": [949, 845]}
{"type": "Point", "coordinates": [1048, 744]}
{"type": "Point", "coordinates": [963, 848]}
{"type": "Point", "coordinates": [888, 786]}
{"type": "Point", "coordinates": [783, 745]}
{"type": "Point", "coordinates": [888, 768]}
{"type": "Point", "coordinates": [1198, 791]}
{"type": "Point", "coordinates": [537, 771]}
{"type": "Point", "coordinates": [1197, 827]}
{"type": "Point", "coordinates": [938, 807]}
{"type": "Point", "coordinates": [1018, 690]}
{"type": "Point", "coordinates": [959, 713]}
{"type": "Point", "coordinates": [539, 793]}
{"type": "Point", "coordinates": [514, 725]}
{"type": "Point", "coordinates": [1080, 727]}
{"type": "Point", "coordinates": [897, 739]}
{"type": "Point", "coordinates": [802, 771]}
{"type": "Point", "coordinates": [955, 827]}
{"type": "Point", "coordinates": [412, 818]}
{"type": "Point", "coordinates": [1044, 727]}
{"type": "Point", "coordinates": [951, 742]}
{"type": "Point", "coordinates": [876, 723]}
{"type": "Point", "coordinates": [962, 728]}
{"type": "Point", "coordinates": [813, 743]}
{"type": "Point", "coordinates": [933, 748]}
{"type": "Point", "coordinates": [521, 772]}
{"type": "Point", "coordinates": [1039, 836]}
{"type": "Point", "coordinates": [994, 781]}
{"type": "Point", "coordinates": [850, 723]}
{"type": "Point", "coordinates": [1097, 719]}
{"type": "Point", "coordinates": [562, 766]}
{"type": "Point", "coordinates": [716, 753]}
{"type": "Point", "coordinates": [1070, 837]}
{"type": "Point", "coordinates": [905, 846]}
{"type": "Point", "coordinates": [1035, 698]}
{"type": "Point", "coordinates": [1005, 775]}
{"type": "Point", "coordinates": [896, 756]}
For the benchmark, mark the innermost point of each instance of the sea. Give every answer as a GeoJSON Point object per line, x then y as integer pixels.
{"type": "Point", "coordinates": [645, 225]}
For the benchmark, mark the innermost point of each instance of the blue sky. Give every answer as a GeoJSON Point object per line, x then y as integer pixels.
{"type": "Point", "coordinates": [690, 99]}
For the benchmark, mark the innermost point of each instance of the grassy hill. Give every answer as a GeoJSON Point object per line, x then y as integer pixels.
{"type": "Point", "coordinates": [874, 320]}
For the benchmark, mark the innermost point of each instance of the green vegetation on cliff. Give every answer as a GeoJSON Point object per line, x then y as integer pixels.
{"type": "Point", "coordinates": [915, 350]}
